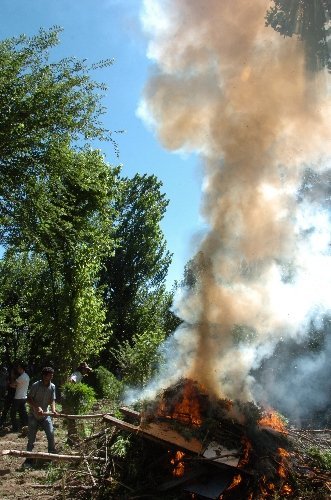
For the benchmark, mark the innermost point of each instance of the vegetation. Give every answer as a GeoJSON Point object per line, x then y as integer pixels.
{"type": "Point", "coordinates": [85, 260]}
{"type": "Point", "coordinates": [77, 398]}
{"type": "Point", "coordinates": [307, 20]}
{"type": "Point", "coordinates": [106, 385]}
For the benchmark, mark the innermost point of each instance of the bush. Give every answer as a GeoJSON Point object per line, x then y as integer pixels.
{"type": "Point", "coordinates": [77, 398]}
{"type": "Point", "coordinates": [106, 384]}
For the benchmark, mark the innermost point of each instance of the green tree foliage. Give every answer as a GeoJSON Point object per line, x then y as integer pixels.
{"type": "Point", "coordinates": [307, 19]}
{"type": "Point", "coordinates": [43, 106]}
{"type": "Point", "coordinates": [91, 241]}
{"type": "Point", "coordinates": [21, 305]}
{"type": "Point", "coordinates": [77, 398]}
{"type": "Point", "coordinates": [55, 196]}
{"type": "Point", "coordinates": [133, 278]}
{"type": "Point", "coordinates": [106, 385]}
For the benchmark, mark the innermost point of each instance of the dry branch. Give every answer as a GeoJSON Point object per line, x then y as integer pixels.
{"type": "Point", "coordinates": [73, 417]}
{"type": "Point", "coordinates": [48, 456]}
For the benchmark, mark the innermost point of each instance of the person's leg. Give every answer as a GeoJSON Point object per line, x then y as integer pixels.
{"type": "Point", "coordinates": [49, 431]}
{"type": "Point", "coordinates": [32, 432]}
{"type": "Point", "coordinates": [13, 410]}
{"type": "Point", "coordinates": [6, 407]}
{"type": "Point", "coordinates": [21, 407]}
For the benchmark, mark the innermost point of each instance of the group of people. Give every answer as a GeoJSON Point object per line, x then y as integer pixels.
{"type": "Point", "coordinates": [40, 397]}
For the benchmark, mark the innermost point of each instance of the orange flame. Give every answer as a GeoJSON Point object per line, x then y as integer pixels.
{"type": "Point", "coordinates": [179, 467]}
{"type": "Point", "coordinates": [186, 410]}
{"type": "Point", "coordinates": [283, 454]}
{"type": "Point", "coordinates": [247, 446]}
{"type": "Point", "coordinates": [235, 481]}
{"type": "Point", "coordinates": [273, 420]}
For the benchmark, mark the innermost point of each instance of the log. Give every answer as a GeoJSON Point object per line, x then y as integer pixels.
{"type": "Point", "coordinates": [48, 456]}
{"type": "Point", "coordinates": [72, 417]}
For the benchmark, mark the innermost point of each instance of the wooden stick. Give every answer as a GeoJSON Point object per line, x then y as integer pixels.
{"type": "Point", "coordinates": [64, 415]}
{"type": "Point", "coordinates": [89, 471]}
{"type": "Point", "coordinates": [48, 456]}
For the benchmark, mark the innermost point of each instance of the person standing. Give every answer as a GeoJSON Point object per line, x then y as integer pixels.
{"type": "Point", "coordinates": [80, 372]}
{"type": "Point", "coordinates": [41, 395]}
{"type": "Point", "coordinates": [19, 402]}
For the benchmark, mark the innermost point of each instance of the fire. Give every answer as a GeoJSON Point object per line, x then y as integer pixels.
{"type": "Point", "coordinates": [273, 420]}
{"type": "Point", "coordinates": [177, 462]}
{"type": "Point", "coordinates": [283, 454]}
{"type": "Point", "coordinates": [235, 481]}
{"type": "Point", "coordinates": [247, 446]}
{"type": "Point", "coordinates": [186, 409]}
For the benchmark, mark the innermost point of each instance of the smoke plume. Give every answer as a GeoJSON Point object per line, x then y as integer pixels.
{"type": "Point", "coordinates": [234, 91]}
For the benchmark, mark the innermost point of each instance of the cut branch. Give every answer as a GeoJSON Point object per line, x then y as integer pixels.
{"type": "Point", "coordinates": [49, 456]}
{"type": "Point", "coordinates": [64, 415]}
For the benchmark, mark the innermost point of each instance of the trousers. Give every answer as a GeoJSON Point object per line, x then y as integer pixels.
{"type": "Point", "coordinates": [46, 425]}
{"type": "Point", "coordinates": [18, 406]}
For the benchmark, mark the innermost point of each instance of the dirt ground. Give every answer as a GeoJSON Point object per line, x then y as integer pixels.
{"type": "Point", "coordinates": [17, 482]}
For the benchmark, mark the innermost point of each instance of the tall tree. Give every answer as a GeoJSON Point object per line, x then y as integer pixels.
{"type": "Point", "coordinates": [133, 278]}
{"type": "Point", "coordinates": [54, 192]}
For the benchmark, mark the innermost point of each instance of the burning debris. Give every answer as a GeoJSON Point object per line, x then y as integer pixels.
{"type": "Point", "coordinates": [222, 449]}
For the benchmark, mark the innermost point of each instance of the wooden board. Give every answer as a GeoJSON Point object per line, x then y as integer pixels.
{"type": "Point", "coordinates": [159, 432]}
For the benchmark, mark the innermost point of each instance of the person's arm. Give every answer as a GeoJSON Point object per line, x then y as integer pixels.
{"type": "Point", "coordinates": [36, 409]}
{"type": "Point", "coordinates": [53, 407]}
{"type": "Point", "coordinates": [53, 402]}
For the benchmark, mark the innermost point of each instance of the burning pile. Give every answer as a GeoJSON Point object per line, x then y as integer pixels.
{"type": "Point", "coordinates": [263, 452]}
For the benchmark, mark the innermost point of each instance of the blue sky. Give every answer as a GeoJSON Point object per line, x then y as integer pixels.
{"type": "Point", "coordinates": [100, 29]}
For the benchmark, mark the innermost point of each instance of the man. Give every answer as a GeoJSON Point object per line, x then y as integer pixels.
{"type": "Point", "coordinates": [82, 370]}
{"type": "Point", "coordinates": [41, 395]}
{"type": "Point", "coordinates": [19, 403]}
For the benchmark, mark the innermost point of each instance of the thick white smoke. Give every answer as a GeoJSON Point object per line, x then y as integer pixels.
{"type": "Point", "coordinates": [233, 90]}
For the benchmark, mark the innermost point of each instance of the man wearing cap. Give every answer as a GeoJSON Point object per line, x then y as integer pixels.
{"type": "Point", "coordinates": [82, 370]}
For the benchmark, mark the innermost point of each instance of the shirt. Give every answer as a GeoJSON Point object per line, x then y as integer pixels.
{"type": "Point", "coordinates": [42, 396]}
{"type": "Point", "coordinates": [76, 377]}
{"type": "Point", "coordinates": [22, 385]}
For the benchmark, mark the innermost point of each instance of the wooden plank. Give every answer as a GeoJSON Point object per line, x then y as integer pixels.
{"type": "Point", "coordinates": [129, 412]}
{"type": "Point", "coordinates": [159, 432]}
{"type": "Point", "coordinates": [162, 431]}
{"type": "Point", "coordinates": [121, 424]}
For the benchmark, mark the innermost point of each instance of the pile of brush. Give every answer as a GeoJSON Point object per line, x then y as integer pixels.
{"type": "Point", "coordinates": [274, 458]}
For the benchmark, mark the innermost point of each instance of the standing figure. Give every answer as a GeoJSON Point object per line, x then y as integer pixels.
{"type": "Point", "coordinates": [41, 395]}
{"type": "Point", "coordinates": [19, 402]}
{"type": "Point", "coordinates": [9, 398]}
{"type": "Point", "coordinates": [82, 370]}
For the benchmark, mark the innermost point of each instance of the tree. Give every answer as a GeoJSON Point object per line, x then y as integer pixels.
{"type": "Point", "coordinates": [133, 278]}
{"type": "Point", "coordinates": [21, 306]}
{"type": "Point", "coordinates": [55, 192]}
{"type": "Point", "coordinates": [308, 20]}
{"type": "Point", "coordinates": [42, 105]}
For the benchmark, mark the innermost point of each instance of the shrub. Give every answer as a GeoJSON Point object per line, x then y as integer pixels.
{"type": "Point", "coordinates": [77, 398]}
{"type": "Point", "coordinates": [106, 384]}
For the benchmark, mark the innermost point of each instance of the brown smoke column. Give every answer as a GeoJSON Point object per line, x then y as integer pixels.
{"type": "Point", "coordinates": [239, 94]}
